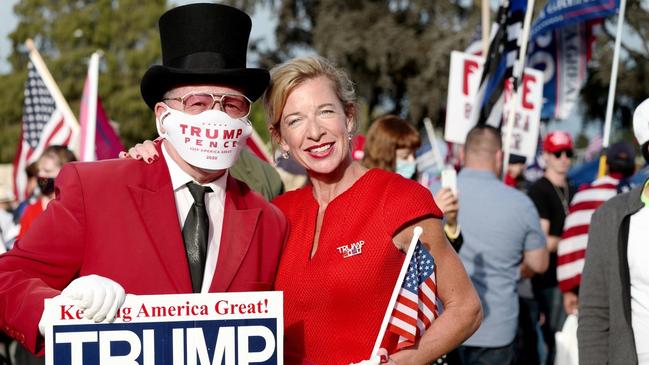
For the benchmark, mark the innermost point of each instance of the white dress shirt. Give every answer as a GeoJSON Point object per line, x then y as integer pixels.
{"type": "Point", "coordinates": [214, 204]}
{"type": "Point", "coordinates": [637, 256]}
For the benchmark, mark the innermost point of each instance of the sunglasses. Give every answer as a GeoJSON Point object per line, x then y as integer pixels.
{"type": "Point", "coordinates": [236, 106]}
{"type": "Point", "coordinates": [568, 153]}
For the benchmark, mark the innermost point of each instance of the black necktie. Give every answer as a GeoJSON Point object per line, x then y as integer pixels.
{"type": "Point", "coordinates": [195, 231]}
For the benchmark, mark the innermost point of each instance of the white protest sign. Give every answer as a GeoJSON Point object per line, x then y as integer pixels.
{"type": "Point", "coordinates": [178, 329]}
{"type": "Point", "coordinates": [463, 84]}
{"type": "Point", "coordinates": [464, 81]}
{"type": "Point", "coordinates": [527, 121]}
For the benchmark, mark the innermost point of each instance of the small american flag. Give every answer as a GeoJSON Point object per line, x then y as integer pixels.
{"type": "Point", "coordinates": [43, 125]}
{"type": "Point", "coordinates": [416, 305]}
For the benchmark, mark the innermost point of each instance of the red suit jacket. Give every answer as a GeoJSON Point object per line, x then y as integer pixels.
{"type": "Point", "coordinates": [117, 219]}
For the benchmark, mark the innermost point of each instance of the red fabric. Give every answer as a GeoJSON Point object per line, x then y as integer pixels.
{"type": "Point", "coordinates": [31, 212]}
{"type": "Point", "coordinates": [117, 218]}
{"type": "Point", "coordinates": [571, 252]}
{"type": "Point", "coordinates": [334, 306]}
{"type": "Point", "coordinates": [510, 180]}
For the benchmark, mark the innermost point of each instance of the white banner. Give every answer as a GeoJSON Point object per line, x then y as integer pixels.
{"type": "Point", "coordinates": [216, 328]}
{"type": "Point", "coordinates": [464, 81]}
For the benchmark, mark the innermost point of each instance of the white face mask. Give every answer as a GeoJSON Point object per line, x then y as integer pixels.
{"type": "Point", "coordinates": [210, 140]}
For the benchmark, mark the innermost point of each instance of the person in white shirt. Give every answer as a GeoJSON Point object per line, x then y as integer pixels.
{"type": "Point", "coordinates": [613, 311]}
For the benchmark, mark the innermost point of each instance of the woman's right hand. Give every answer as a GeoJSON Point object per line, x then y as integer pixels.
{"type": "Point", "coordinates": [142, 151]}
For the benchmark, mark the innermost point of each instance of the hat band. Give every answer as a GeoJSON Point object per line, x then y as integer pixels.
{"type": "Point", "coordinates": [202, 61]}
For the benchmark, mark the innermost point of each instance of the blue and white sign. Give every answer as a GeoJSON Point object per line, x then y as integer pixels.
{"type": "Point", "coordinates": [185, 329]}
{"type": "Point", "coordinates": [560, 13]}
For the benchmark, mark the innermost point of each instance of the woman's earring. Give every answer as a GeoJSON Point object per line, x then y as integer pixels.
{"type": "Point", "coordinates": [285, 155]}
{"type": "Point", "coordinates": [349, 137]}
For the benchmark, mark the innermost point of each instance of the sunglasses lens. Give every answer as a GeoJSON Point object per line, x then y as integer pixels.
{"type": "Point", "coordinates": [568, 153]}
{"type": "Point", "coordinates": [197, 103]}
{"type": "Point", "coordinates": [235, 106]}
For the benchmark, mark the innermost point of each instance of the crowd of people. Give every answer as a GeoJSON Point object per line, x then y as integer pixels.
{"type": "Point", "coordinates": [512, 258]}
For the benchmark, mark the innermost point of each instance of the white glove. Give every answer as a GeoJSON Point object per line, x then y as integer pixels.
{"type": "Point", "coordinates": [99, 297]}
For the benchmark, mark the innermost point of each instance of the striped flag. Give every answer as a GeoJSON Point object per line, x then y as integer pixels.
{"type": "Point", "coordinates": [46, 121]}
{"type": "Point", "coordinates": [257, 146]}
{"type": "Point", "coordinates": [416, 305]}
{"type": "Point", "coordinates": [499, 65]}
{"type": "Point", "coordinates": [572, 246]}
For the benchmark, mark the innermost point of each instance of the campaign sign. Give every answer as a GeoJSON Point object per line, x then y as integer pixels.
{"type": "Point", "coordinates": [463, 85]}
{"type": "Point", "coordinates": [179, 329]}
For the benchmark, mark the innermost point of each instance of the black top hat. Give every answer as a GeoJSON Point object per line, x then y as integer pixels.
{"type": "Point", "coordinates": [203, 44]}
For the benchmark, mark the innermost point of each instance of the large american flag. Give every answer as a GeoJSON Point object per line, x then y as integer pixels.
{"type": "Point", "coordinates": [416, 305]}
{"type": "Point", "coordinates": [43, 125]}
{"type": "Point", "coordinates": [499, 65]}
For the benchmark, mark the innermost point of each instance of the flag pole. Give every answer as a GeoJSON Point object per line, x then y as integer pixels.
{"type": "Point", "coordinates": [262, 146]}
{"type": "Point", "coordinates": [69, 117]}
{"type": "Point", "coordinates": [89, 109]}
{"type": "Point", "coordinates": [395, 293]}
{"type": "Point", "coordinates": [611, 88]}
{"type": "Point", "coordinates": [432, 138]}
{"type": "Point", "coordinates": [485, 28]}
{"type": "Point", "coordinates": [516, 97]}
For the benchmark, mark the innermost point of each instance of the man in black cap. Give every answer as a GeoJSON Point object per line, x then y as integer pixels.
{"type": "Point", "coordinates": [620, 166]}
{"type": "Point", "coordinates": [178, 225]}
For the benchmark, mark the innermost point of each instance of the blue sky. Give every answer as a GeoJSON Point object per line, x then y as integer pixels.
{"type": "Point", "coordinates": [7, 24]}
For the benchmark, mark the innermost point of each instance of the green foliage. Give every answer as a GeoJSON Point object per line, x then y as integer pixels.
{"type": "Point", "coordinates": [11, 110]}
{"type": "Point", "coordinates": [66, 34]}
{"type": "Point", "coordinates": [397, 53]}
{"type": "Point", "coordinates": [633, 73]}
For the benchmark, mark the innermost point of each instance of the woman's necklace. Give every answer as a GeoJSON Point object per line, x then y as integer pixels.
{"type": "Point", "coordinates": [563, 194]}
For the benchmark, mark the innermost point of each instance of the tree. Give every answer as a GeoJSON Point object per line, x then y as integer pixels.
{"type": "Point", "coordinates": [397, 52]}
{"type": "Point", "coordinates": [66, 33]}
{"type": "Point", "coordinates": [633, 73]}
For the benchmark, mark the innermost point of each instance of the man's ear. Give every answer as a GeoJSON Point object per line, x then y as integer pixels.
{"type": "Point", "coordinates": [499, 162]}
{"type": "Point", "coordinates": [160, 109]}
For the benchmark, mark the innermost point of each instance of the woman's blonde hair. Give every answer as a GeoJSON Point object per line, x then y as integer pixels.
{"type": "Point", "coordinates": [285, 77]}
{"type": "Point", "coordinates": [386, 135]}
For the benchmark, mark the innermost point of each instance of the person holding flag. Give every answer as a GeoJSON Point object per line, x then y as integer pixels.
{"type": "Point", "coordinates": [349, 229]}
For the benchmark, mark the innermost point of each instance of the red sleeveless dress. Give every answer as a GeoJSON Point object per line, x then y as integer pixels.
{"type": "Point", "coordinates": [334, 303]}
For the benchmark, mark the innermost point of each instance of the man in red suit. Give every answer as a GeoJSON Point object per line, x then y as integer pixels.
{"type": "Point", "coordinates": [178, 225]}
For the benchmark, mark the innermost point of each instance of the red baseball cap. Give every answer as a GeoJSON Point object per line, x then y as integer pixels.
{"type": "Point", "coordinates": [557, 141]}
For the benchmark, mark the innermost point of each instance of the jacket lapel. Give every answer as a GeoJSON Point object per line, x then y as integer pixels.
{"type": "Point", "coordinates": [239, 225]}
{"type": "Point", "coordinates": [633, 205]}
{"type": "Point", "coordinates": [157, 207]}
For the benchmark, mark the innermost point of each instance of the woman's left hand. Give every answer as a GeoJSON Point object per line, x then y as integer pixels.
{"type": "Point", "coordinates": [142, 151]}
